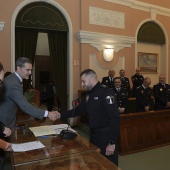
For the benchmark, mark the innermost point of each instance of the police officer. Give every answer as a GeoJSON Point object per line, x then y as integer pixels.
{"type": "Point", "coordinates": [104, 120]}
{"type": "Point", "coordinates": [137, 80]}
{"type": "Point", "coordinates": [121, 95]}
{"type": "Point", "coordinates": [109, 80]}
{"type": "Point", "coordinates": [125, 81]}
{"type": "Point", "coordinates": [143, 96]}
{"type": "Point", "coordinates": [161, 93]}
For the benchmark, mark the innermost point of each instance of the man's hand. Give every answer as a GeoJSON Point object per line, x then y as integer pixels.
{"type": "Point", "coordinates": [110, 149]}
{"type": "Point", "coordinates": [167, 104]}
{"type": "Point", "coordinates": [7, 132]}
{"type": "Point", "coordinates": [8, 147]}
{"type": "Point", "coordinates": [147, 108]}
{"type": "Point", "coordinates": [54, 115]}
{"type": "Point", "coordinates": [121, 110]}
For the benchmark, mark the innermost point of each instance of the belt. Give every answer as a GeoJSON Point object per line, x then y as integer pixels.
{"type": "Point", "coordinates": [100, 130]}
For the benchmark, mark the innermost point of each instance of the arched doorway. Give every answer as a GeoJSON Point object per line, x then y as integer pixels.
{"type": "Point", "coordinates": [69, 42]}
{"type": "Point", "coordinates": [151, 40]}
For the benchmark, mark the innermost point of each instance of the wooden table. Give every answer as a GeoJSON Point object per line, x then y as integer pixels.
{"type": "Point", "coordinates": [60, 154]}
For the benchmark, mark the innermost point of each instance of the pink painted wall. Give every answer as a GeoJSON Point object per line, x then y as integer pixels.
{"type": "Point", "coordinates": [78, 11]}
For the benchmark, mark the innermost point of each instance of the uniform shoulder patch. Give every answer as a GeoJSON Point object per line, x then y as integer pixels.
{"type": "Point", "coordinates": [110, 99]}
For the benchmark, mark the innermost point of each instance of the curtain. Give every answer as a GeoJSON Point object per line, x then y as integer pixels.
{"type": "Point", "coordinates": [58, 54]}
{"type": "Point", "coordinates": [25, 46]}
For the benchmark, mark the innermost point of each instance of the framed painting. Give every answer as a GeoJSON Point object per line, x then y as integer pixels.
{"type": "Point", "coordinates": [148, 62]}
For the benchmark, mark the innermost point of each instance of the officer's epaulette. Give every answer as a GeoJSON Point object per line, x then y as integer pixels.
{"type": "Point", "coordinates": [103, 86]}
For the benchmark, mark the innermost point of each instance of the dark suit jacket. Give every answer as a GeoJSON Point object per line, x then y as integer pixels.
{"type": "Point", "coordinates": [106, 81]}
{"type": "Point", "coordinates": [125, 83]}
{"type": "Point", "coordinates": [121, 97]}
{"type": "Point", "coordinates": [162, 95]}
{"type": "Point", "coordinates": [13, 98]}
{"type": "Point", "coordinates": [143, 98]}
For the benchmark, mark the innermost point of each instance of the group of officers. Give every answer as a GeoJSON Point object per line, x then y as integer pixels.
{"type": "Point", "coordinates": [140, 90]}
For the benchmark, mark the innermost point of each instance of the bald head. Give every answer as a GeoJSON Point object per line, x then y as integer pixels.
{"type": "Point", "coordinates": [111, 73]}
{"type": "Point", "coordinates": [147, 82]}
{"type": "Point", "coordinates": [138, 71]}
{"type": "Point", "coordinates": [162, 78]}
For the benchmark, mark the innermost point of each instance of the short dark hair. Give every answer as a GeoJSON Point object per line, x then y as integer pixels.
{"type": "Point", "coordinates": [1, 67]}
{"type": "Point", "coordinates": [117, 78]}
{"type": "Point", "coordinates": [21, 62]}
{"type": "Point", "coordinates": [87, 72]}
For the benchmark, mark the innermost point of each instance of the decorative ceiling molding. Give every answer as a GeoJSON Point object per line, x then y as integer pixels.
{"type": "Point", "coordinates": [143, 6]}
{"type": "Point", "coordinates": [103, 41]}
{"type": "Point", "coordinates": [2, 24]}
{"type": "Point", "coordinates": [110, 18]}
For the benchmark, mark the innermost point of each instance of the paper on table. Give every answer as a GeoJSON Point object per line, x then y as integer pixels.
{"type": "Point", "coordinates": [58, 128]}
{"type": "Point", "coordinates": [27, 146]}
{"type": "Point", "coordinates": [42, 130]}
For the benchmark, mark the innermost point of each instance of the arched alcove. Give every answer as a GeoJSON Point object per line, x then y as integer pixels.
{"type": "Point", "coordinates": [69, 26]}
{"type": "Point", "coordinates": [151, 39]}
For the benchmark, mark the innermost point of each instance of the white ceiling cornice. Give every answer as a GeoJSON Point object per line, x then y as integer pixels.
{"type": "Point", "coordinates": [2, 24]}
{"type": "Point", "coordinates": [102, 41]}
{"type": "Point", "coordinates": [143, 6]}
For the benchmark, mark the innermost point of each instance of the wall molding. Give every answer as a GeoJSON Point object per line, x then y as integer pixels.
{"type": "Point", "coordinates": [104, 17]}
{"type": "Point", "coordinates": [102, 41]}
{"type": "Point", "coordinates": [143, 6]}
{"type": "Point", "coordinates": [2, 25]}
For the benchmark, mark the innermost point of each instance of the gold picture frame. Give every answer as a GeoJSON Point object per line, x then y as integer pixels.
{"type": "Point", "coordinates": [148, 62]}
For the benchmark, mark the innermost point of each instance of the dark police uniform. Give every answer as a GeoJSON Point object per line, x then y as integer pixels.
{"type": "Point", "coordinates": [104, 120]}
{"type": "Point", "coordinates": [137, 81]}
{"type": "Point", "coordinates": [125, 83]}
{"type": "Point", "coordinates": [143, 98]}
{"type": "Point", "coordinates": [121, 97]}
{"type": "Point", "coordinates": [107, 82]}
{"type": "Point", "coordinates": [162, 95]}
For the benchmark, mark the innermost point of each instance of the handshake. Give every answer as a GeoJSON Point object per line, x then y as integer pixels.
{"type": "Point", "coordinates": [54, 115]}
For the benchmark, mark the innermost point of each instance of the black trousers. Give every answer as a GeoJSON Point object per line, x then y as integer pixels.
{"type": "Point", "coordinates": [1, 159]}
{"type": "Point", "coordinates": [101, 140]}
{"type": "Point", "coordinates": [50, 103]}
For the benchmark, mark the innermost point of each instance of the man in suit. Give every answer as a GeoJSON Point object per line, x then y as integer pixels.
{"type": "Point", "coordinates": [121, 95]}
{"type": "Point", "coordinates": [4, 131]}
{"type": "Point", "coordinates": [125, 81]}
{"type": "Point", "coordinates": [161, 93]}
{"type": "Point", "coordinates": [109, 80]}
{"type": "Point", "coordinates": [137, 80]}
{"type": "Point", "coordinates": [143, 96]}
{"type": "Point", "coordinates": [14, 96]}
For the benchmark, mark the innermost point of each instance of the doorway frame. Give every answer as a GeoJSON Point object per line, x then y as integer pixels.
{"type": "Point", "coordinates": [70, 52]}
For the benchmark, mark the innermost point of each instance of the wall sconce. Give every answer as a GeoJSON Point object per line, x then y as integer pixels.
{"type": "Point", "coordinates": [2, 24]}
{"type": "Point", "coordinates": [108, 54]}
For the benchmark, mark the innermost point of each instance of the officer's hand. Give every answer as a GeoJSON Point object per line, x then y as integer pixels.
{"type": "Point", "coordinates": [147, 108]}
{"type": "Point", "coordinates": [110, 149]}
{"type": "Point", "coordinates": [54, 115]}
{"type": "Point", "coordinates": [121, 110]}
{"type": "Point", "coordinates": [167, 104]}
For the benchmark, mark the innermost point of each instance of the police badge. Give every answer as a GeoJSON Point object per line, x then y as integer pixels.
{"type": "Point", "coordinates": [110, 99]}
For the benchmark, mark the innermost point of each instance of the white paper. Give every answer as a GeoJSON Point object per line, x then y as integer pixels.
{"type": "Point", "coordinates": [42, 130]}
{"type": "Point", "coordinates": [27, 146]}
